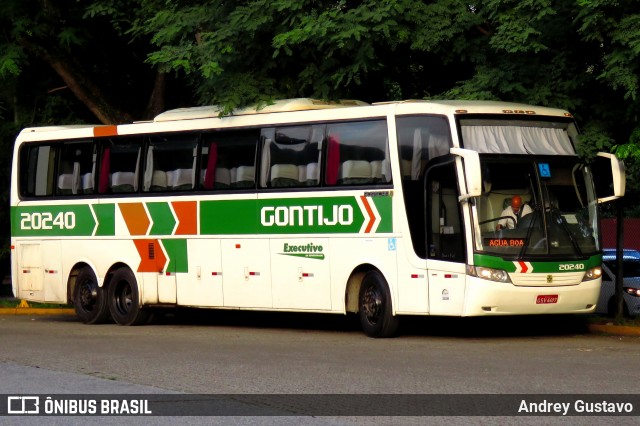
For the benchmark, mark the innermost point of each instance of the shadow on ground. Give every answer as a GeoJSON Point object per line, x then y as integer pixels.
{"type": "Point", "coordinates": [547, 325]}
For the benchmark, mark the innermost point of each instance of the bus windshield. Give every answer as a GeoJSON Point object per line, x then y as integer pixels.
{"type": "Point", "coordinates": [543, 206]}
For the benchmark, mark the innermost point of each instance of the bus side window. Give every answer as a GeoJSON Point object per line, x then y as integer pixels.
{"type": "Point", "coordinates": [170, 162]}
{"type": "Point", "coordinates": [37, 170]}
{"type": "Point", "coordinates": [76, 168]}
{"type": "Point", "coordinates": [291, 156]}
{"type": "Point", "coordinates": [420, 139]}
{"type": "Point", "coordinates": [120, 165]}
{"type": "Point", "coordinates": [227, 160]}
{"type": "Point", "coordinates": [360, 152]}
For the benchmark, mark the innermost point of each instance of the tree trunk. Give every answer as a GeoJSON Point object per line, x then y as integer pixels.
{"type": "Point", "coordinates": [84, 89]}
{"type": "Point", "coordinates": [156, 101]}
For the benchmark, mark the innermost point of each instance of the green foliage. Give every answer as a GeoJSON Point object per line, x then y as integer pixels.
{"type": "Point", "coordinates": [630, 150]}
{"type": "Point", "coordinates": [10, 60]}
{"type": "Point", "coordinates": [594, 139]}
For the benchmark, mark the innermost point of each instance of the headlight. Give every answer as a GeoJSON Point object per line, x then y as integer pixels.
{"type": "Point", "coordinates": [632, 291]}
{"type": "Point", "coordinates": [490, 274]}
{"type": "Point", "coordinates": [592, 273]}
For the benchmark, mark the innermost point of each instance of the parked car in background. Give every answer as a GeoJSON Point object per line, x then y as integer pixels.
{"type": "Point", "coordinates": [609, 254]}
{"type": "Point", "coordinates": [630, 284]}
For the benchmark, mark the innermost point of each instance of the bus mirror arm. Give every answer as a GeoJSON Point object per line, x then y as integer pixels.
{"type": "Point", "coordinates": [472, 171]}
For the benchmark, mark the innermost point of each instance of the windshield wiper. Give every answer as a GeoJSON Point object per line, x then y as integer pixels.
{"type": "Point", "coordinates": [560, 220]}
{"type": "Point", "coordinates": [523, 250]}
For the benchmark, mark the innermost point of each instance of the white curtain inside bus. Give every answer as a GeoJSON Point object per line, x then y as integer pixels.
{"type": "Point", "coordinates": [488, 139]}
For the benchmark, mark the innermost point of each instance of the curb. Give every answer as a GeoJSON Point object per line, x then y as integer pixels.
{"type": "Point", "coordinates": [617, 330]}
{"type": "Point", "coordinates": [37, 311]}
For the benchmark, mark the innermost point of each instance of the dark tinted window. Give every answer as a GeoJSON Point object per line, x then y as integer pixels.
{"type": "Point", "coordinates": [291, 156]}
{"type": "Point", "coordinates": [37, 170]}
{"type": "Point", "coordinates": [357, 153]}
{"type": "Point", "coordinates": [76, 168]}
{"type": "Point", "coordinates": [120, 165]}
{"type": "Point", "coordinates": [171, 162]}
{"type": "Point", "coordinates": [228, 159]}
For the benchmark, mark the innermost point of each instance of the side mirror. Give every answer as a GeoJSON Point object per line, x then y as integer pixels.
{"type": "Point", "coordinates": [609, 177]}
{"type": "Point", "coordinates": [472, 173]}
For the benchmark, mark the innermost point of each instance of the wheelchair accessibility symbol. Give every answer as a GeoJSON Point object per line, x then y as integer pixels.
{"type": "Point", "coordinates": [392, 244]}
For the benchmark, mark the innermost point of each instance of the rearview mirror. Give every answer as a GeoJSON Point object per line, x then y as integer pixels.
{"type": "Point", "coordinates": [609, 177]}
{"type": "Point", "coordinates": [472, 173]}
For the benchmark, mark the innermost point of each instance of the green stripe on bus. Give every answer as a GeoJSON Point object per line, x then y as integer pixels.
{"type": "Point", "coordinates": [52, 221]}
{"type": "Point", "coordinates": [318, 215]}
{"type": "Point", "coordinates": [537, 266]}
{"type": "Point", "coordinates": [177, 253]}
{"type": "Point", "coordinates": [228, 217]}
{"type": "Point", "coordinates": [384, 206]}
{"type": "Point", "coordinates": [163, 219]}
{"type": "Point", "coordinates": [283, 216]}
{"type": "Point", "coordinates": [106, 214]}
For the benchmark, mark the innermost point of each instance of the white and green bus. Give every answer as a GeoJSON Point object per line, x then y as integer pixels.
{"type": "Point", "coordinates": [386, 210]}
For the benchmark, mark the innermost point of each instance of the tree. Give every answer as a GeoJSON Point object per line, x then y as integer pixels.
{"type": "Point", "coordinates": [93, 65]}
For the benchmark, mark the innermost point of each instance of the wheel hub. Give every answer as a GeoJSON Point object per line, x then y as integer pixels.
{"type": "Point", "coordinates": [372, 304]}
{"type": "Point", "coordinates": [88, 296]}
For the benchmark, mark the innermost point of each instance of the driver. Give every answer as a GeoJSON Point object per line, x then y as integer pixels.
{"type": "Point", "coordinates": [515, 211]}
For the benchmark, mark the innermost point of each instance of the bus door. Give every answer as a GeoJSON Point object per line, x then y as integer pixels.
{"type": "Point", "coordinates": [446, 259]}
{"type": "Point", "coordinates": [30, 273]}
{"type": "Point", "coordinates": [39, 274]}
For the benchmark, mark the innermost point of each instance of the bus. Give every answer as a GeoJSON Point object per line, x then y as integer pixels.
{"type": "Point", "coordinates": [382, 210]}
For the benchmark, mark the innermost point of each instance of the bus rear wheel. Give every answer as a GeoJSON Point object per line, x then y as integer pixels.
{"type": "Point", "coordinates": [124, 299]}
{"type": "Point", "coordinates": [375, 310]}
{"type": "Point", "coordinates": [89, 300]}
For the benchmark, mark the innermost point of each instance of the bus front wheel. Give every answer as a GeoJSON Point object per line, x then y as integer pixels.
{"type": "Point", "coordinates": [89, 300]}
{"type": "Point", "coordinates": [124, 299]}
{"type": "Point", "coordinates": [375, 310]}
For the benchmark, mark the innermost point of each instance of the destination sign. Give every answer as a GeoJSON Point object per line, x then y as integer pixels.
{"type": "Point", "coordinates": [504, 242]}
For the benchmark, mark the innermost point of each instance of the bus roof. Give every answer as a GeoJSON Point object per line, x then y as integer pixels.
{"type": "Point", "coordinates": [283, 105]}
{"type": "Point", "coordinates": [306, 104]}
{"type": "Point", "coordinates": [348, 109]}
{"type": "Point", "coordinates": [57, 128]}
{"type": "Point", "coordinates": [479, 107]}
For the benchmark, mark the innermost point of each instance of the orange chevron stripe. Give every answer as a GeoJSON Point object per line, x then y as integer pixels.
{"type": "Point", "coordinates": [152, 258]}
{"type": "Point", "coordinates": [135, 216]}
{"type": "Point", "coordinates": [372, 217]}
{"type": "Point", "coordinates": [187, 213]}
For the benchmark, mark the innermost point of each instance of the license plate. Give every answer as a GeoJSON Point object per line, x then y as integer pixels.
{"type": "Point", "coordinates": [547, 298]}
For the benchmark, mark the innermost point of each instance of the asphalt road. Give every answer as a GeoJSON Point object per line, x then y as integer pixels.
{"type": "Point", "coordinates": [261, 353]}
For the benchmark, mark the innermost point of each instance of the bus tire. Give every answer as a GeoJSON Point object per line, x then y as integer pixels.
{"type": "Point", "coordinates": [124, 299]}
{"type": "Point", "coordinates": [374, 306]}
{"type": "Point", "coordinates": [89, 300]}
